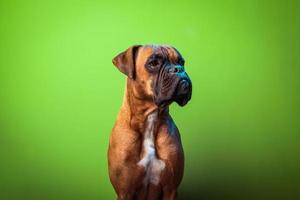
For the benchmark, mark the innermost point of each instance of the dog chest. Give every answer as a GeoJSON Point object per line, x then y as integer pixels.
{"type": "Point", "coordinates": [149, 161]}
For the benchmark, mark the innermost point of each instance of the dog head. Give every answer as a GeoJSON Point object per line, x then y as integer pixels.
{"type": "Point", "coordinates": [156, 72]}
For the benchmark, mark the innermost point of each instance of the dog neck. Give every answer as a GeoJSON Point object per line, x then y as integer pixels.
{"type": "Point", "coordinates": [137, 110]}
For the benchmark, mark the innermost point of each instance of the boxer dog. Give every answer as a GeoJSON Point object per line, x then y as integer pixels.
{"type": "Point", "coordinates": [145, 155]}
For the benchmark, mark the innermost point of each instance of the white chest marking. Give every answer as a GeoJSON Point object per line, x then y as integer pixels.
{"type": "Point", "coordinates": [150, 162]}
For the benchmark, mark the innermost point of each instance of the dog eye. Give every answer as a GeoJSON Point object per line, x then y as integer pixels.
{"type": "Point", "coordinates": [153, 63]}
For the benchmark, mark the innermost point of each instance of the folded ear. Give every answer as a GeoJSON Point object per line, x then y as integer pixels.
{"type": "Point", "coordinates": [125, 61]}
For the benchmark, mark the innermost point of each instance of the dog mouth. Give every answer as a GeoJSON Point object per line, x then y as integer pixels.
{"type": "Point", "coordinates": [176, 89]}
{"type": "Point", "coordinates": [183, 92]}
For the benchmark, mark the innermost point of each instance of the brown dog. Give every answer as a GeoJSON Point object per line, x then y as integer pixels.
{"type": "Point", "coordinates": [145, 154]}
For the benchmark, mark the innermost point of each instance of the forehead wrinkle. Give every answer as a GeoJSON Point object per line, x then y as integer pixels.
{"type": "Point", "coordinates": [174, 55]}
{"type": "Point", "coordinates": [156, 50]}
{"type": "Point", "coordinates": [166, 51]}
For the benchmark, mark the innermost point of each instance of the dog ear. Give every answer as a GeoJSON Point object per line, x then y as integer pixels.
{"type": "Point", "coordinates": [125, 61]}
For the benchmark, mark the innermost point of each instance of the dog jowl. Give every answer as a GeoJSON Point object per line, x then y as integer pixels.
{"type": "Point", "coordinates": [145, 154]}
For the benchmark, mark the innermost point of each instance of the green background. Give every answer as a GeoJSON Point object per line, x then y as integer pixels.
{"type": "Point", "coordinates": [60, 94]}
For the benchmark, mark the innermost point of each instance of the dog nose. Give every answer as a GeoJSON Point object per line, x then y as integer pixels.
{"type": "Point", "coordinates": [176, 69]}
